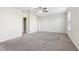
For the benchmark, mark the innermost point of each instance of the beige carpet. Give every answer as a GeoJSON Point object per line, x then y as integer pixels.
{"type": "Point", "coordinates": [40, 41]}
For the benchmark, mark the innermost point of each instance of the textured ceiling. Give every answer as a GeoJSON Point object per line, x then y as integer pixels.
{"type": "Point", "coordinates": [51, 10]}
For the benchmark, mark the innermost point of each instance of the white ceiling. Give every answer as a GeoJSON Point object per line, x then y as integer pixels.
{"type": "Point", "coordinates": [51, 10]}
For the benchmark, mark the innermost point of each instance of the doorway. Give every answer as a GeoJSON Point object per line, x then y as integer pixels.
{"type": "Point", "coordinates": [24, 25]}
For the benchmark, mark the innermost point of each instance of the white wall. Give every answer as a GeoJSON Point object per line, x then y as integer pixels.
{"type": "Point", "coordinates": [74, 33]}
{"type": "Point", "coordinates": [53, 23]}
{"type": "Point", "coordinates": [10, 23]}
{"type": "Point", "coordinates": [33, 20]}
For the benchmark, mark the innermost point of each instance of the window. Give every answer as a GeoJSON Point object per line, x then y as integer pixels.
{"type": "Point", "coordinates": [69, 20]}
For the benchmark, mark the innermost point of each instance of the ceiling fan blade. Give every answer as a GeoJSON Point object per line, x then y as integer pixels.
{"type": "Point", "coordinates": [45, 11]}
{"type": "Point", "coordinates": [40, 7]}
{"type": "Point", "coordinates": [44, 8]}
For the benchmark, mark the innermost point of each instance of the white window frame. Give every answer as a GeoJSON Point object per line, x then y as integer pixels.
{"type": "Point", "coordinates": [69, 21]}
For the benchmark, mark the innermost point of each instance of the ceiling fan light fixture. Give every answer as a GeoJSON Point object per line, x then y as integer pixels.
{"type": "Point", "coordinates": [39, 11]}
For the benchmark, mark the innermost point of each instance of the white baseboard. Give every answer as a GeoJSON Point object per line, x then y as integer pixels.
{"type": "Point", "coordinates": [52, 32]}
{"type": "Point", "coordinates": [74, 42]}
{"type": "Point", "coordinates": [10, 38]}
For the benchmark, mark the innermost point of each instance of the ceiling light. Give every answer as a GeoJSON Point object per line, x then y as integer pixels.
{"type": "Point", "coordinates": [39, 11]}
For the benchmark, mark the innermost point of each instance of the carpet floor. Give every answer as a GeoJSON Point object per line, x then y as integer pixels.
{"type": "Point", "coordinates": [40, 41]}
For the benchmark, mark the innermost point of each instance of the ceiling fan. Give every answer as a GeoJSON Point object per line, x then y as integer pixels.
{"type": "Point", "coordinates": [40, 9]}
